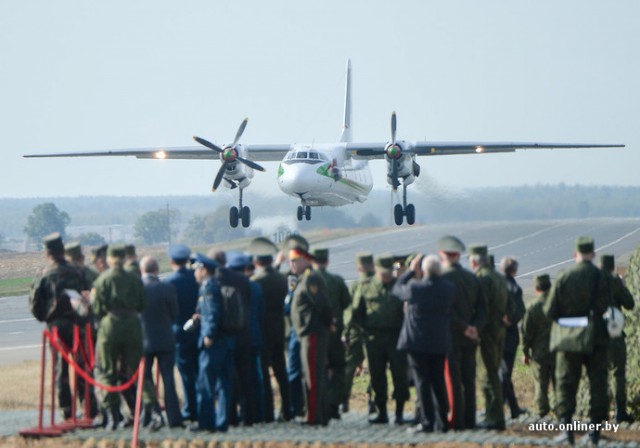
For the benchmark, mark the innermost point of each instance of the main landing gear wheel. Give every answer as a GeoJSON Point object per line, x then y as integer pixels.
{"type": "Point", "coordinates": [398, 214]}
{"type": "Point", "coordinates": [304, 212]}
{"type": "Point", "coordinates": [245, 216]}
{"type": "Point", "coordinates": [234, 217]}
{"type": "Point", "coordinates": [410, 213]}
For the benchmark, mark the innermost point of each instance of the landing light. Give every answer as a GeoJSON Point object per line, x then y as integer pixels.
{"type": "Point", "coordinates": [479, 149]}
{"type": "Point", "coordinates": [160, 155]}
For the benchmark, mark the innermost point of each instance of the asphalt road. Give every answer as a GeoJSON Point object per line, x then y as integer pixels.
{"type": "Point", "coordinates": [540, 246]}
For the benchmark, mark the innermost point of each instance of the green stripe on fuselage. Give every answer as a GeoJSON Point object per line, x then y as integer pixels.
{"type": "Point", "coordinates": [325, 171]}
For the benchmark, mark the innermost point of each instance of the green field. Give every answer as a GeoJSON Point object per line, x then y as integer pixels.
{"type": "Point", "coordinates": [15, 286]}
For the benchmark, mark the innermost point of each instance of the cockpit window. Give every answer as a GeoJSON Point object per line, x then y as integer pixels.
{"type": "Point", "coordinates": [313, 155]}
{"type": "Point", "coordinates": [301, 155]}
{"type": "Point", "coordinates": [290, 155]}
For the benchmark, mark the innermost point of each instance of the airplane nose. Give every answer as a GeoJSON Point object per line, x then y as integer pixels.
{"type": "Point", "coordinates": [297, 178]}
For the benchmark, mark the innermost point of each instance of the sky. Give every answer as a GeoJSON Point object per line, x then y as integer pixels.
{"type": "Point", "coordinates": [89, 76]}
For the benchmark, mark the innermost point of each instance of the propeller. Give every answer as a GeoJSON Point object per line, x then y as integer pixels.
{"type": "Point", "coordinates": [229, 154]}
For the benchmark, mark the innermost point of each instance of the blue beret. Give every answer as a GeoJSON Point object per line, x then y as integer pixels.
{"type": "Point", "coordinates": [179, 252]}
{"type": "Point", "coordinates": [238, 260]}
{"type": "Point", "coordinates": [207, 262]}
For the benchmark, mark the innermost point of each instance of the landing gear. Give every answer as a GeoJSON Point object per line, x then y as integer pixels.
{"type": "Point", "coordinates": [304, 212]}
{"type": "Point", "coordinates": [240, 214]}
{"type": "Point", "coordinates": [404, 209]}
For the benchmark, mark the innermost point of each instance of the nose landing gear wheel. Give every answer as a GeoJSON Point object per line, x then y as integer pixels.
{"type": "Point", "coordinates": [234, 217]}
{"type": "Point", "coordinates": [398, 214]}
{"type": "Point", "coordinates": [245, 216]}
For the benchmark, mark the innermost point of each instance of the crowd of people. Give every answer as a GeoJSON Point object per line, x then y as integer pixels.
{"type": "Point", "coordinates": [228, 321]}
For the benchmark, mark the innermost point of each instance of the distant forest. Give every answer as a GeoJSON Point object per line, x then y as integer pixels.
{"type": "Point", "coordinates": [272, 213]}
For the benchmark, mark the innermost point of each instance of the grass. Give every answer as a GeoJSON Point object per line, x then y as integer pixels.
{"type": "Point", "coordinates": [15, 286]}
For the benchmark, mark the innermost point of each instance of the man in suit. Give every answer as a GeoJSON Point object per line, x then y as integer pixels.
{"type": "Point", "coordinates": [426, 334]}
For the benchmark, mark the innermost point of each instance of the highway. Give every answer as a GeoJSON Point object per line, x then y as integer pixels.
{"type": "Point", "coordinates": [540, 246]}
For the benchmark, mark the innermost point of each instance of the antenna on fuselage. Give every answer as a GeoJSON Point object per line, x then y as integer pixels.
{"type": "Point", "coordinates": [346, 122]}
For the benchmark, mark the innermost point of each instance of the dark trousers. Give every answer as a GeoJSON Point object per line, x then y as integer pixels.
{"type": "Point", "coordinates": [313, 350]}
{"type": "Point", "coordinates": [214, 387]}
{"type": "Point", "coordinates": [507, 385]}
{"type": "Point", "coordinates": [244, 391]}
{"type": "Point", "coordinates": [428, 378]}
{"type": "Point", "coordinates": [337, 364]}
{"type": "Point", "coordinates": [462, 370]}
{"type": "Point", "coordinates": [187, 355]}
{"type": "Point", "coordinates": [294, 373]}
{"type": "Point", "coordinates": [273, 356]}
{"type": "Point", "coordinates": [166, 362]}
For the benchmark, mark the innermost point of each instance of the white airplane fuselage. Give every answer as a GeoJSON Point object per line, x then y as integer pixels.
{"type": "Point", "coordinates": [324, 175]}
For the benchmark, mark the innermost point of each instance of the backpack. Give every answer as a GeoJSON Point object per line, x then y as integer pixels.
{"type": "Point", "coordinates": [235, 313]}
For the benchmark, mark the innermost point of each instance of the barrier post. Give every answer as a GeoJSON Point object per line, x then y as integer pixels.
{"type": "Point", "coordinates": [136, 420]}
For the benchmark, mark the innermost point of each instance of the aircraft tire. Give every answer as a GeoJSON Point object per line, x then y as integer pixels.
{"type": "Point", "coordinates": [307, 213]}
{"type": "Point", "coordinates": [234, 217]}
{"type": "Point", "coordinates": [398, 214]}
{"type": "Point", "coordinates": [246, 216]}
{"type": "Point", "coordinates": [410, 212]}
{"type": "Point", "coordinates": [300, 212]}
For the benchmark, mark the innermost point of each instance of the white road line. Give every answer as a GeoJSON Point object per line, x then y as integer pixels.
{"type": "Point", "coordinates": [23, 347]}
{"type": "Point", "coordinates": [531, 235]}
{"type": "Point", "coordinates": [28, 319]}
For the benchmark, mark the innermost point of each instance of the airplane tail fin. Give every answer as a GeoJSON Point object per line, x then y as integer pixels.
{"type": "Point", "coordinates": [346, 122]}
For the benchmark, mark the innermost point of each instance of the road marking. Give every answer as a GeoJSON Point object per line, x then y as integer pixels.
{"type": "Point", "coordinates": [6, 349]}
{"type": "Point", "coordinates": [16, 320]}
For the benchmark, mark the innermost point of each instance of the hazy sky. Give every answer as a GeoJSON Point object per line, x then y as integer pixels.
{"type": "Point", "coordinates": [84, 76]}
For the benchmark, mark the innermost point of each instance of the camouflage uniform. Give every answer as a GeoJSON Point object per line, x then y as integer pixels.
{"type": "Point", "coordinates": [535, 346]}
{"type": "Point", "coordinates": [118, 297]}
{"type": "Point", "coordinates": [380, 315]}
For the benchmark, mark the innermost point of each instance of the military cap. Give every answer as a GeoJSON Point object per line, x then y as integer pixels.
{"type": "Point", "coordinates": [450, 244]}
{"type": "Point", "coordinates": [238, 260]}
{"type": "Point", "coordinates": [295, 241]}
{"type": "Point", "coordinates": [363, 258]}
{"type": "Point", "coordinates": [385, 262]}
{"type": "Point", "coordinates": [478, 249]}
{"type": "Point", "coordinates": [262, 247]}
{"type": "Point", "coordinates": [608, 262]}
{"type": "Point", "coordinates": [320, 254]}
{"type": "Point", "coordinates": [585, 245]}
{"type": "Point", "coordinates": [53, 243]}
{"type": "Point", "coordinates": [99, 252]}
{"type": "Point", "coordinates": [179, 252]}
{"type": "Point", "coordinates": [201, 260]}
{"type": "Point", "coordinates": [130, 250]}
{"type": "Point", "coordinates": [74, 250]}
{"type": "Point", "coordinates": [117, 251]}
{"type": "Point", "coordinates": [410, 258]}
{"type": "Point", "coordinates": [542, 282]}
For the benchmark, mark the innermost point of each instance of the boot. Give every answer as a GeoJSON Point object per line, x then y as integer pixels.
{"type": "Point", "coordinates": [566, 437]}
{"type": "Point", "coordinates": [399, 412]}
{"type": "Point", "coordinates": [382, 416]}
{"type": "Point", "coordinates": [117, 419]}
{"type": "Point", "coordinates": [101, 420]}
{"type": "Point", "coordinates": [147, 413]}
{"type": "Point", "coordinates": [622, 415]}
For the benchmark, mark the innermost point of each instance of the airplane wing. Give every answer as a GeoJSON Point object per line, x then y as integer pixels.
{"type": "Point", "coordinates": [263, 153]}
{"type": "Point", "coordinates": [376, 150]}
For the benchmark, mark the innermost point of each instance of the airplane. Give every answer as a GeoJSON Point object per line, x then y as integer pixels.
{"type": "Point", "coordinates": [329, 174]}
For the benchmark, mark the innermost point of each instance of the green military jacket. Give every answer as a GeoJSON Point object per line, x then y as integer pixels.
{"type": "Point", "coordinates": [470, 305]}
{"type": "Point", "coordinates": [310, 309]}
{"type": "Point", "coordinates": [47, 299]}
{"type": "Point", "coordinates": [494, 288]}
{"type": "Point", "coordinates": [375, 308]}
{"type": "Point", "coordinates": [117, 290]}
{"type": "Point", "coordinates": [353, 329]}
{"type": "Point", "coordinates": [620, 294]}
{"type": "Point", "coordinates": [91, 274]}
{"type": "Point", "coordinates": [133, 267]}
{"type": "Point", "coordinates": [338, 295]}
{"type": "Point", "coordinates": [536, 329]}
{"type": "Point", "coordinates": [571, 296]}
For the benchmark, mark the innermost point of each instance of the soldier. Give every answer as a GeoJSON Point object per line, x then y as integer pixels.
{"type": "Point", "coordinates": [117, 298]}
{"type": "Point", "coordinates": [339, 299]}
{"type": "Point", "coordinates": [313, 321]}
{"type": "Point", "coordinates": [354, 340]}
{"type": "Point", "coordinates": [99, 258]}
{"type": "Point", "coordinates": [131, 260]}
{"type": "Point", "coordinates": [469, 317]}
{"type": "Point", "coordinates": [50, 302]}
{"type": "Point", "coordinates": [509, 267]}
{"type": "Point", "coordinates": [494, 288]}
{"type": "Point", "coordinates": [535, 345]}
{"type": "Point", "coordinates": [618, 347]}
{"type": "Point", "coordinates": [379, 313]}
{"type": "Point", "coordinates": [184, 281]}
{"type": "Point", "coordinates": [581, 291]}
{"type": "Point", "coordinates": [216, 352]}
{"type": "Point", "coordinates": [275, 289]}
{"type": "Point", "coordinates": [73, 252]}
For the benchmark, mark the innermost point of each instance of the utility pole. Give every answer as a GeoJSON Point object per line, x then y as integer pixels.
{"type": "Point", "coordinates": [169, 223]}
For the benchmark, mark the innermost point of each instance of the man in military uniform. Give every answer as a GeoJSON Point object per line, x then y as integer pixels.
{"type": "Point", "coordinates": [509, 267]}
{"type": "Point", "coordinates": [469, 317]}
{"type": "Point", "coordinates": [494, 288]}
{"type": "Point", "coordinates": [275, 289]}
{"type": "Point", "coordinates": [117, 298]}
{"type": "Point", "coordinates": [49, 302]}
{"type": "Point", "coordinates": [313, 321]}
{"type": "Point", "coordinates": [73, 252]}
{"type": "Point", "coordinates": [379, 313]}
{"type": "Point", "coordinates": [354, 340]}
{"type": "Point", "coordinates": [339, 299]}
{"type": "Point", "coordinates": [99, 258]}
{"type": "Point", "coordinates": [621, 298]}
{"type": "Point", "coordinates": [581, 291]}
{"type": "Point", "coordinates": [536, 329]}
{"type": "Point", "coordinates": [131, 263]}
{"type": "Point", "coordinates": [184, 281]}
